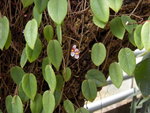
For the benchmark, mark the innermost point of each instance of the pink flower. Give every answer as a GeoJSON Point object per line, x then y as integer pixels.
{"type": "Point", "coordinates": [75, 52]}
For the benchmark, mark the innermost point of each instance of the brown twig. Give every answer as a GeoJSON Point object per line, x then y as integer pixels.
{"type": "Point", "coordinates": [136, 7]}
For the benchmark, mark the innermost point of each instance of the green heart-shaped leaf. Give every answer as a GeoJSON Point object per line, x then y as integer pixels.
{"type": "Point", "coordinates": [17, 106]}
{"type": "Point", "coordinates": [8, 103]}
{"type": "Point", "coordinates": [29, 85]}
{"type": "Point", "coordinates": [128, 23]}
{"type": "Point", "coordinates": [58, 97]}
{"type": "Point", "coordinates": [145, 34]}
{"type": "Point", "coordinates": [4, 31]}
{"type": "Point", "coordinates": [17, 74]}
{"type": "Point", "coordinates": [137, 37]}
{"type": "Point", "coordinates": [100, 9]}
{"type": "Point", "coordinates": [31, 33]}
{"type": "Point", "coordinates": [36, 104]}
{"type": "Point", "coordinates": [67, 74]}
{"type": "Point", "coordinates": [98, 53]}
{"type": "Point", "coordinates": [57, 10]}
{"type": "Point", "coordinates": [33, 54]}
{"type": "Point", "coordinates": [60, 82]}
{"type": "Point", "coordinates": [48, 32]}
{"type": "Point", "coordinates": [89, 90]}
{"type": "Point", "coordinates": [55, 53]}
{"type": "Point", "coordinates": [44, 64]}
{"type": "Point", "coordinates": [50, 77]}
{"type": "Point", "coordinates": [131, 38]}
{"type": "Point", "coordinates": [21, 94]}
{"type": "Point", "coordinates": [37, 16]}
{"type": "Point", "coordinates": [116, 74]}
{"type": "Point", "coordinates": [24, 58]}
{"type": "Point", "coordinates": [127, 60]}
{"type": "Point", "coordinates": [142, 77]}
{"type": "Point", "coordinates": [97, 76]}
{"type": "Point", "coordinates": [68, 106]}
{"type": "Point", "coordinates": [48, 102]}
{"type": "Point", "coordinates": [117, 28]}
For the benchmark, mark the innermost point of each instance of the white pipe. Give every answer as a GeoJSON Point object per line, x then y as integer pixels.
{"type": "Point", "coordinates": [110, 100]}
{"type": "Point", "coordinates": [138, 52]}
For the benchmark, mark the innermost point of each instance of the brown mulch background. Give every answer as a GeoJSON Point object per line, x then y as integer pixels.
{"type": "Point", "coordinates": [78, 29]}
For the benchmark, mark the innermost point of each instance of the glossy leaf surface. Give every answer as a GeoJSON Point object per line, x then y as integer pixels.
{"type": "Point", "coordinates": [97, 76]}
{"type": "Point", "coordinates": [67, 74]}
{"type": "Point", "coordinates": [55, 53]}
{"type": "Point", "coordinates": [69, 107]}
{"type": "Point", "coordinates": [127, 60]}
{"type": "Point", "coordinates": [48, 102]}
{"type": "Point", "coordinates": [145, 34]}
{"type": "Point", "coordinates": [36, 104]}
{"type": "Point", "coordinates": [57, 10]}
{"type": "Point", "coordinates": [4, 31]}
{"type": "Point", "coordinates": [98, 53]}
{"type": "Point", "coordinates": [89, 90]}
{"type": "Point", "coordinates": [100, 9]}
{"type": "Point", "coordinates": [137, 37]}
{"type": "Point", "coordinates": [115, 4]}
{"type": "Point", "coordinates": [45, 62]}
{"type": "Point", "coordinates": [33, 54]}
{"type": "Point", "coordinates": [17, 106]}
{"type": "Point", "coordinates": [21, 94]}
{"type": "Point", "coordinates": [50, 77]}
{"type": "Point", "coordinates": [40, 5]}
{"type": "Point", "coordinates": [31, 33]}
{"type": "Point", "coordinates": [117, 28]}
{"type": "Point", "coordinates": [8, 104]}
{"type": "Point", "coordinates": [128, 23]}
{"type": "Point", "coordinates": [17, 74]}
{"type": "Point", "coordinates": [24, 58]}
{"type": "Point", "coordinates": [48, 32]}
{"type": "Point", "coordinates": [29, 85]}
{"type": "Point", "coordinates": [116, 74]}
{"type": "Point", "coordinates": [37, 16]}
{"type": "Point", "coordinates": [142, 77]}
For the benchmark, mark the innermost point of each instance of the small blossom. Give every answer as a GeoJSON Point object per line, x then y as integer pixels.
{"type": "Point", "coordinates": [25, 15]}
{"type": "Point", "coordinates": [74, 46]}
{"type": "Point", "coordinates": [76, 56]}
{"type": "Point", "coordinates": [72, 53]}
{"type": "Point", "coordinates": [75, 52]}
